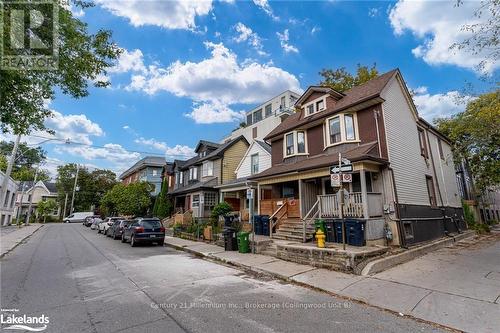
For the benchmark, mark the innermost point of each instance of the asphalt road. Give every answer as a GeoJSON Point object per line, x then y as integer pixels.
{"type": "Point", "coordinates": [85, 282]}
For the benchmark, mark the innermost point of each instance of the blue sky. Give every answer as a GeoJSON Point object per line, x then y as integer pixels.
{"type": "Point", "coordinates": [190, 68]}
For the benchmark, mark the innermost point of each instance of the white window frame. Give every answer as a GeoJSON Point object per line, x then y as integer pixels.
{"type": "Point", "coordinates": [343, 139]}
{"type": "Point", "coordinates": [206, 170]}
{"type": "Point", "coordinates": [193, 205]}
{"type": "Point", "coordinates": [295, 144]}
{"type": "Point", "coordinates": [193, 173]}
{"type": "Point", "coordinates": [181, 177]}
{"type": "Point", "coordinates": [252, 157]}
{"type": "Point", "coordinates": [314, 104]}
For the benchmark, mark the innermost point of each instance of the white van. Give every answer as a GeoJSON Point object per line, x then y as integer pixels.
{"type": "Point", "coordinates": [77, 217]}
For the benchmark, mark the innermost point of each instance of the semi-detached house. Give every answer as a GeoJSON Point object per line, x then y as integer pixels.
{"type": "Point", "coordinates": [403, 177]}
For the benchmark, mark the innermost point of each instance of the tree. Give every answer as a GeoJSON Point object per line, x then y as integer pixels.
{"type": "Point", "coordinates": [475, 134]}
{"type": "Point", "coordinates": [82, 58]}
{"type": "Point", "coordinates": [26, 158]}
{"type": "Point", "coordinates": [163, 206]}
{"type": "Point", "coordinates": [45, 208]}
{"type": "Point", "coordinates": [131, 200]}
{"type": "Point", "coordinates": [341, 80]}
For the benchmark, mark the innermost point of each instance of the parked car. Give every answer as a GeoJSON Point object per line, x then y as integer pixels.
{"type": "Point", "coordinates": [144, 230]}
{"type": "Point", "coordinates": [89, 219]}
{"type": "Point", "coordinates": [116, 230]}
{"type": "Point", "coordinates": [95, 223]}
{"type": "Point", "coordinates": [77, 217]}
{"type": "Point", "coordinates": [104, 225]}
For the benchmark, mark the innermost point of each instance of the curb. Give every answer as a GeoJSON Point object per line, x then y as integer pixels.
{"type": "Point", "coordinates": [383, 264]}
{"type": "Point", "coordinates": [22, 240]}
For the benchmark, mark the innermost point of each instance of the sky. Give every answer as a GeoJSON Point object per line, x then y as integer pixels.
{"type": "Point", "coordinates": [190, 69]}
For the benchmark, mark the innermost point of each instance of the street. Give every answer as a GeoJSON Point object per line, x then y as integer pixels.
{"type": "Point", "coordinates": [85, 282]}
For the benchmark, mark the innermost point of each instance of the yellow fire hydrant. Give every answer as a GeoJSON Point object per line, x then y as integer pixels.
{"type": "Point", "coordinates": [320, 237]}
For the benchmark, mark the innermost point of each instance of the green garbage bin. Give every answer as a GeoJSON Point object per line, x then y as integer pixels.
{"type": "Point", "coordinates": [243, 242]}
{"type": "Point", "coordinates": [320, 224]}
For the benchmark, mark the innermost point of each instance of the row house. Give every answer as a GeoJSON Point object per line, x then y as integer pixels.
{"type": "Point", "coordinates": [149, 169]}
{"type": "Point", "coordinates": [403, 173]}
{"type": "Point", "coordinates": [31, 194]}
{"type": "Point", "coordinates": [196, 179]}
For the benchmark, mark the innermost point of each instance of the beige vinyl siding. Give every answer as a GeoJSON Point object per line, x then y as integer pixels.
{"type": "Point", "coordinates": [231, 160]}
{"type": "Point", "coordinates": [245, 167]}
{"type": "Point", "coordinates": [403, 146]}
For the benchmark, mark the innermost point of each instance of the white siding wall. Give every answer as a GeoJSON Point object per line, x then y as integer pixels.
{"type": "Point", "coordinates": [244, 169]}
{"type": "Point", "coordinates": [404, 150]}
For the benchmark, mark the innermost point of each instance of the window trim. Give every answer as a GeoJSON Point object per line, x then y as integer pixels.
{"type": "Point", "coordinates": [295, 144]}
{"type": "Point", "coordinates": [256, 155]}
{"type": "Point", "coordinates": [193, 173]}
{"type": "Point", "coordinates": [207, 169]}
{"type": "Point", "coordinates": [440, 148]}
{"type": "Point", "coordinates": [314, 103]}
{"type": "Point", "coordinates": [430, 179]}
{"type": "Point", "coordinates": [343, 140]}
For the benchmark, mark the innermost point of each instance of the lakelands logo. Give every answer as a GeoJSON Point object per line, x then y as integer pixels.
{"type": "Point", "coordinates": [23, 322]}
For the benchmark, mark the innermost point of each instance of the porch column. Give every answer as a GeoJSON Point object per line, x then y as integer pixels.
{"type": "Point", "coordinates": [257, 197]}
{"type": "Point", "coordinates": [300, 199]}
{"type": "Point", "coordinates": [221, 196]}
{"type": "Point", "coordinates": [364, 193]}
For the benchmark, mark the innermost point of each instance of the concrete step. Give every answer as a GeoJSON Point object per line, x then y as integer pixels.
{"type": "Point", "coordinates": [290, 237]}
{"type": "Point", "coordinates": [294, 231]}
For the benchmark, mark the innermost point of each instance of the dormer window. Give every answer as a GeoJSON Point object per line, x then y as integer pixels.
{"type": "Point", "coordinates": [317, 105]}
{"type": "Point", "coordinates": [295, 143]}
{"type": "Point", "coordinates": [310, 109]}
{"type": "Point", "coordinates": [320, 105]}
{"type": "Point", "coordinates": [341, 129]}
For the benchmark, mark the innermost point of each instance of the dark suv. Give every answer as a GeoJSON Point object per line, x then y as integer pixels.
{"type": "Point", "coordinates": [144, 230]}
{"type": "Point", "coordinates": [116, 230]}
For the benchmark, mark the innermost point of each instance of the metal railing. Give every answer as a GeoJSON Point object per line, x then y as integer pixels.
{"type": "Point", "coordinates": [274, 219]}
{"type": "Point", "coordinates": [310, 216]}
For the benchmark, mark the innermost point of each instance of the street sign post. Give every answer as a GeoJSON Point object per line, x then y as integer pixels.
{"type": "Point", "coordinates": [335, 180]}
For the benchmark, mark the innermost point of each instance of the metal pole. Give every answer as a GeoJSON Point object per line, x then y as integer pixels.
{"type": "Point", "coordinates": [31, 198]}
{"type": "Point", "coordinates": [74, 189]}
{"type": "Point", "coordinates": [8, 172]}
{"type": "Point", "coordinates": [20, 204]}
{"type": "Point", "coordinates": [65, 204]}
{"type": "Point", "coordinates": [341, 202]}
{"type": "Point", "coordinates": [250, 216]}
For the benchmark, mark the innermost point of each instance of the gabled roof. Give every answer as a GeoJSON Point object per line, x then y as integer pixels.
{"type": "Point", "coordinates": [207, 144]}
{"type": "Point", "coordinates": [266, 146]}
{"type": "Point", "coordinates": [322, 89]}
{"type": "Point", "coordinates": [155, 161]}
{"type": "Point", "coordinates": [352, 97]}
{"type": "Point", "coordinates": [217, 153]}
{"type": "Point", "coordinates": [51, 186]}
{"type": "Point", "coordinates": [367, 151]}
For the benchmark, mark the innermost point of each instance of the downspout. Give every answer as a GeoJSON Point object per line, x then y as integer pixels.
{"type": "Point", "coordinates": [376, 115]}
{"type": "Point", "coordinates": [398, 212]}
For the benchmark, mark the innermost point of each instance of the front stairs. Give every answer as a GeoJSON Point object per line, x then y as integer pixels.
{"type": "Point", "coordinates": [291, 229]}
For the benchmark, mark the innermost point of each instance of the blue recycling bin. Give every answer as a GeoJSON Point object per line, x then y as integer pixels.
{"type": "Point", "coordinates": [330, 230]}
{"type": "Point", "coordinates": [355, 232]}
{"type": "Point", "coordinates": [338, 231]}
{"type": "Point", "coordinates": [257, 224]}
{"type": "Point", "coordinates": [264, 220]}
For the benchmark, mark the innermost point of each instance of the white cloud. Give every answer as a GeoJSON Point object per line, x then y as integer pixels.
{"type": "Point", "coordinates": [438, 25]}
{"type": "Point", "coordinates": [213, 112]}
{"type": "Point", "coordinates": [246, 34]}
{"type": "Point", "coordinates": [126, 127]}
{"type": "Point", "coordinates": [217, 81]}
{"type": "Point", "coordinates": [264, 5]}
{"type": "Point", "coordinates": [112, 153]}
{"type": "Point", "coordinates": [171, 14]}
{"type": "Point", "coordinates": [315, 29]}
{"type": "Point", "coordinates": [284, 39]}
{"type": "Point", "coordinates": [438, 105]}
{"type": "Point", "coordinates": [129, 61]}
{"type": "Point", "coordinates": [373, 12]}
{"type": "Point", "coordinates": [77, 128]}
{"type": "Point", "coordinates": [178, 151]}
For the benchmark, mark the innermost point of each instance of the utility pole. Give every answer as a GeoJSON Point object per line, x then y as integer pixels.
{"type": "Point", "coordinates": [31, 198]}
{"type": "Point", "coordinates": [19, 209]}
{"type": "Point", "coordinates": [74, 189]}
{"type": "Point", "coordinates": [8, 172]}
{"type": "Point", "coordinates": [65, 204]}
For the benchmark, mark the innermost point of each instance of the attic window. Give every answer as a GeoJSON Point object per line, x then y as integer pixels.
{"type": "Point", "coordinates": [317, 105]}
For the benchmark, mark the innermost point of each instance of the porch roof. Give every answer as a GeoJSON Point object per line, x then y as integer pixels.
{"type": "Point", "coordinates": [235, 184]}
{"type": "Point", "coordinates": [360, 153]}
{"type": "Point", "coordinates": [210, 184]}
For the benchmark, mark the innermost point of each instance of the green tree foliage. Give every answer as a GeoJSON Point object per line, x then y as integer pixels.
{"type": "Point", "coordinates": [25, 161]}
{"type": "Point", "coordinates": [341, 80]}
{"type": "Point", "coordinates": [221, 209]}
{"type": "Point", "coordinates": [163, 206]}
{"type": "Point", "coordinates": [45, 208]}
{"type": "Point", "coordinates": [82, 58]}
{"type": "Point", "coordinates": [131, 200]}
{"type": "Point", "coordinates": [476, 138]}
{"type": "Point", "coordinates": [92, 185]}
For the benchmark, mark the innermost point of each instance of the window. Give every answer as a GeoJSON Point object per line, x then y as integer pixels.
{"type": "Point", "coordinates": [295, 143]}
{"type": "Point", "coordinates": [310, 109]}
{"type": "Point", "coordinates": [283, 102]}
{"type": "Point", "coordinates": [181, 177]}
{"type": "Point", "coordinates": [334, 126]}
{"type": "Point", "coordinates": [196, 200]}
{"type": "Point", "coordinates": [254, 164]}
{"type": "Point", "coordinates": [301, 143]}
{"type": "Point", "coordinates": [208, 169]}
{"type": "Point", "coordinates": [249, 119]}
{"type": "Point", "coordinates": [421, 140]}
{"type": "Point", "coordinates": [440, 148]}
{"type": "Point", "coordinates": [193, 173]}
{"type": "Point", "coordinates": [254, 132]}
{"type": "Point", "coordinates": [257, 116]}
{"type": "Point", "coordinates": [269, 110]}
{"type": "Point", "coordinates": [349, 127]}
{"type": "Point", "coordinates": [155, 172]}
{"type": "Point", "coordinates": [289, 144]}
{"type": "Point", "coordinates": [210, 199]}
{"type": "Point", "coordinates": [430, 190]}
{"type": "Point", "coordinates": [320, 105]}
{"type": "Point", "coordinates": [408, 229]}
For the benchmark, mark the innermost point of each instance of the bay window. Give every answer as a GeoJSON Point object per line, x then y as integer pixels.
{"type": "Point", "coordinates": [193, 173]}
{"type": "Point", "coordinates": [289, 144]}
{"type": "Point", "coordinates": [340, 129]}
{"type": "Point", "coordinates": [301, 143]}
{"type": "Point", "coordinates": [334, 126]}
{"type": "Point", "coordinates": [295, 143]}
{"type": "Point", "coordinates": [208, 169]}
{"type": "Point", "coordinates": [349, 127]}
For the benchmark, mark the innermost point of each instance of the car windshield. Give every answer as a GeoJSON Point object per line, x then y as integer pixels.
{"type": "Point", "coordinates": [150, 224]}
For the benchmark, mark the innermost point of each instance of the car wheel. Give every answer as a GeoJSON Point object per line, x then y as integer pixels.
{"type": "Point", "coordinates": [133, 243]}
{"type": "Point", "coordinates": [98, 230]}
{"type": "Point", "coordinates": [123, 239]}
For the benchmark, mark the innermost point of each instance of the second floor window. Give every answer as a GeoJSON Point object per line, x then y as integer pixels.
{"type": "Point", "coordinates": [208, 169]}
{"type": "Point", "coordinates": [193, 173]}
{"type": "Point", "coordinates": [181, 177]}
{"type": "Point", "coordinates": [155, 172]}
{"type": "Point", "coordinates": [422, 142]}
{"type": "Point", "coordinates": [310, 109]}
{"type": "Point", "coordinates": [301, 142]}
{"type": "Point", "coordinates": [289, 144]}
{"type": "Point", "coordinates": [249, 119]}
{"type": "Point", "coordinates": [255, 164]}
{"type": "Point", "coordinates": [334, 126]}
{"type": "Point", "coordinates": [349, 127]}
{"type": "Point", "coordinates": [295, 143]}
{"type": "Point", "coordinates": [257, 116]}
{"type": "Point", "coordinates": [283, 102]}
{"type": "Point", "coordinates": [269, 110]}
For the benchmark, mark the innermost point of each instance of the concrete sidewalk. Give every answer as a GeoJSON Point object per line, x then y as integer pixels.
{"type": "Point", "coordinates": [449, 294]}
{"type": "Point", "coordinates": [12, 236]}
